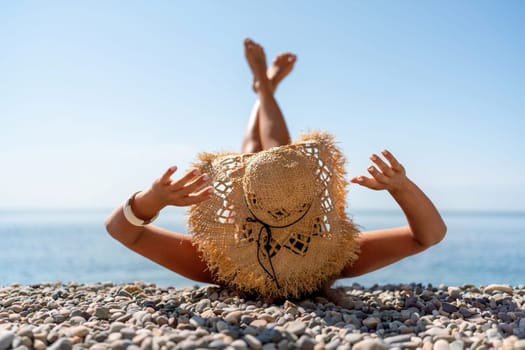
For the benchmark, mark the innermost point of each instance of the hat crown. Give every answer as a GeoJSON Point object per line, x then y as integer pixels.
{"type": "Point", "coordinates": [279, 186]}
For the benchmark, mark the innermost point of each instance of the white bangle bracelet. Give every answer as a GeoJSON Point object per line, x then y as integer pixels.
{"type": "Point", "coordinates": [130, 215]}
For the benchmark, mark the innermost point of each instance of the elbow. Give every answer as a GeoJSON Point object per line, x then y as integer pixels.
{"type": "Point", "coordinates": [443, 233]}
{"type": "Point", "coordinates": [110, 225]}
{"type": "Point", "coordinates": [439, 234]}
{"type": "Point", "coordinates": [434, 237]}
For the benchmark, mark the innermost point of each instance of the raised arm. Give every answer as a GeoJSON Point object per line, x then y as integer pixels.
{"type": "Point", "coordinates": [425, 225]}
{"type": "Point", "coordinates": [172, 250]}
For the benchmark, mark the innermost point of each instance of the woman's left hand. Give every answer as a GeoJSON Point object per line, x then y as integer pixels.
{"type": "Point", "coordinates": [387, 175]}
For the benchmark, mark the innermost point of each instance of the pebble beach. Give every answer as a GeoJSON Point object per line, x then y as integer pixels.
{"type": "Point", "coordinates": [144, 316]}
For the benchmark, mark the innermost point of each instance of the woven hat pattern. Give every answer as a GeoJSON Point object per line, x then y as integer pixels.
{"type": "Point", "coordinates": [277, 223]}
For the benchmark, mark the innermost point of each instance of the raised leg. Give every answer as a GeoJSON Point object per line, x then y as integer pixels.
{"type": "Point", "coordinates": [266, 127]}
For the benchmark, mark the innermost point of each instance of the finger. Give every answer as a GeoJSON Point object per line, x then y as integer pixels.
{"type": "Point", "coordinates": [202, 195]}
{"type": "Point", "coordinates": [194, 186]}
{"type": "Point", "coordinates": [376, 174]}
{"type": "Point", "coordinates": [395, 165]}
{"type": "Point", "coordinates": [366, 182]}
{"type": "Point", "coordinates": [187, 178]}
{"type": "Point", "coordinates": [166, 177]}
{"type": "Point", "coordinates": [385, 168]}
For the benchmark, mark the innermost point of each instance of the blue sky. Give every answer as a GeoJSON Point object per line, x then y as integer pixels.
{"type": "Point", "coordinates": [98, 98]}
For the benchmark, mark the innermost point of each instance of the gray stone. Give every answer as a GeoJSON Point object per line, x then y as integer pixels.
{"type": "Point", "coordinates": [369, 344]}
{"type": "Point", "coordinates": [436, 331]}
{"type": "Point", "coordinates": [187, 344]}
{"type": "Point", "coordinates": [102, 313]}
{"type": "Point", "coordinates": [6, 338]}
{"type": "Point", "coordinates": [121, 344]}
{"type": "Point", "coordinates": [233, 317]}
{"type": "Point", "coordinates": [305, 343]}
{"type": "Point", "coordinates": [22, 342]}
{"type": "Point", "coordinates": [398, 338]}
{"type": "Point", "coordinates": [217, 344]}
{"type": "Point", "coordinates": [493, 334]}
{"type": "Point", "coordinates": [116, 326]}
{"type": "Point", "coordinates": [124, 293]}
{"type": "Point", "coordinates": [128, 333]}
{"type": "Point", "coordinates": [454, 292]}
{"type": "Point", "coordinates": [465, 312]}
{"type": "Point", "coordinates": [457, 345]}
{"type": "Point", "coordinates": [239, 344]}
{"type": "Point", "coordinates": [160, 320]}
{"type": "Point", "coordinates": [250, 330]}
{"type": "Point", "coordinates": [296, 327]}
{"type": "Point", "coordinates": [202, 305]}
{"type": "Point", "coordinates": [252, 342]}
{"type": "Point", "coordinates": [441, 344]}
{"type": "Point", "coordinates": [221, 325]}
{"type": "Point", "coordinates": [284, 345]}
{"type": "Point", "coordinates": [269, 335]}
{"type": "Point", "coordinates": [269, 346]}
{"type": "Point", "coordinates": [58, 318]}
{"type": "Point", "coordinates": [333, 344]}
{"type": "Point", "coordinates": [246, 319]}
{"type": "Point", "coordinates": [197, 321]}
{"type": "Point", "coordinates": [77, 320]}
{"type": "Point", "coordinates": [353, 337]}
{"type": "Point", "coordinates": [26, 331]}
{"type": "Point", "coordinates": [61, 344]}
{"type": "Point", "coordinates": [449, 308]}
{"type": "Point", "coordinates": [371, 322]}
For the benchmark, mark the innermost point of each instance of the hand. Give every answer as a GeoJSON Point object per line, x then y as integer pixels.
{"type": "Point", "coordinates": [390, 177]}
{"type": "Point", "coordinates": [189, 189]}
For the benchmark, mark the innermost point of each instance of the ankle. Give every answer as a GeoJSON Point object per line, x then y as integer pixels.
{"type": "Point", "coordinates": [264, 87]}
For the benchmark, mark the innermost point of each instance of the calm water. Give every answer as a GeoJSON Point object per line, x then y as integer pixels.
{"type": "Point", "coordinates": [47, 246]}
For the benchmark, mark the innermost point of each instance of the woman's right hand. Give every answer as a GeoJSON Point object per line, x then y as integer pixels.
{"type": "Point", "coordinates": [187, 190]}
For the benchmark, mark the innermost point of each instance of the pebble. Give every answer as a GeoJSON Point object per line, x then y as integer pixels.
{"type": "Point", "coordinates": [296, 327]}
{"type": "Point", "coordinates": [369, 344]}
{"type": "Point", "coordinates": [5, 340]}
{"type": "Point", "coordinates": [79, 331]}
{"type": "Point", "coordinates": [519, 344]}
{"type": "Point", "coordinates": [61, 344]}
{"type": "Point", "coordinates": [454, 292]}
{"type": "Point", "coordinates": [239, 344]}
{"type": "Point", "coordinates": [371, 322]}
{"type": "Point", "coordinates": [143, 316]}
{"type": "Point", "coordinates": [252, 342]}
{"type": "Point", "coordinates": [498, 287]}
{"type": "Point", "coordinates": [441, 344]}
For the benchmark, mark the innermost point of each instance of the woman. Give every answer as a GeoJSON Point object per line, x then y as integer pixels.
{"type": "Point", "coordinates": [267, 129]}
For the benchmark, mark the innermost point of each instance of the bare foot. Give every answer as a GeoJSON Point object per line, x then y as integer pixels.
{"type": "Point", "coordinates": [257, 61]}
{"type": "Point", "coordinates": [281, 66]}
{"type": "Point", "coordinates": [338, 297]}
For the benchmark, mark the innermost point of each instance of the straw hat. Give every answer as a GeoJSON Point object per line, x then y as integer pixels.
{"type": "Point", "coordinates": [277, 224]}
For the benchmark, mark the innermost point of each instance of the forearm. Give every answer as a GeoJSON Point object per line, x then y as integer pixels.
{"type": "Point", "coordinates": [424, 220]}
{"type": "Point", "coordinates": [144, 207]}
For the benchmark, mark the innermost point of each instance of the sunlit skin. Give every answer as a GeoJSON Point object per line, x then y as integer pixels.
{"type": "Point", "coordinates": [267, 128]}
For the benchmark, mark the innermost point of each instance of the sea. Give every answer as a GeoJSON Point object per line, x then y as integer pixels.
{"type": "Point", "coordinates": [38, 246]}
